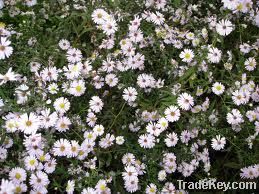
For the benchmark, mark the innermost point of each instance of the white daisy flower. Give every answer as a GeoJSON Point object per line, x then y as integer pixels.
{"type": "Point", "coordinates": [224, 27]}
{"type": "Point", "coordinates": [61, 105]}
{"type": "Point", "coordinates": [98, 130]}
{"type": "Point", "coordinates": [5, 49]}
{"type": "Point", "coordinates": [39, 179]}
{"type": "Point", "coordinates": [101, 186]}
{"type": "Point", "coordinates": [20, 188]}
{"type": "Point", "coordinates": [185, 101]}
{"type": "Point", "coordinates": [234, 117]}
{"type": "Point", "coordinates": [250, 64]}
{"type": "Point", "coordinates": [99, 16]}
{"type": "Point", "coordinates": [29, 124]}
{"type": "Point", "coordinates": [63, 124]}
{"type": "Point", "coordinates": [7, 187]}
{"type": "Point", "coordinates": [218, 143]}
{"type": "Point", "coordinates": [62, 147]}
{"type": "Point", "coordinates": [77, 88]}
{"type": "Point", "coordinates": [64, 44]}
{"type": "Point", "coordinates": [53, 88]}
{"type": "Point", "coordinates": [146, 141]}
{"type": "Point", "coordinates": [17, 175]}
{"type": "Point", "coordinates": [70, 187]}
{"type": "Point", "coordinates": [130, 94]}
{"type": "Point", "coordinates": [172, 113]}
{"type": "Point", "coordinates": [120, 140]}
{"type": "Point", "coordinates": [187, 55]}
{"type": "Point", "coordinates": [151, 189]}
{"type": "Point", "coordinates": [171, 139]}
{"type": "Point", "coordinates": [96, 104]}
{"type": "Point", "coordinates": [31, 163]}
{"type": "Point", "coordinates": [162, 123]}
{"type": "Point", "coordinates": [214, 55]}
{"type": "Point", "coordinates": [109, 27]}
{"type": "Point", "coordinates": [218, 88]}
{"type": "Point", "coordinates": [111, 80]}
{"type": "Point", "coordinates": [74, 55]}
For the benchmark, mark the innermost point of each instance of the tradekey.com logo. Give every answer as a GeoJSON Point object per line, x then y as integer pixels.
{"type": "Point", "coordinates": [213, 184]}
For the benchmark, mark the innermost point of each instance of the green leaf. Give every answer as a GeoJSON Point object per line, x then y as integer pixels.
{"type": "Point", "coordinates": [233, 165]}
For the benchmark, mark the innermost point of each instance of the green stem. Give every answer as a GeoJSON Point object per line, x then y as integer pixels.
{"type": "Point", "coordinates": [114, 120]}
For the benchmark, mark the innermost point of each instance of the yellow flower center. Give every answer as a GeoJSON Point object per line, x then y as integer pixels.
{"type": "Point", "coordinates": [2, 25]}
{"type": "Point", "coordinates": [102, 187]}
{"type": "Point", "coordinates": [28, 123]}
{"type": "Point", "coordinates": [172, 114]}
{"type": "Point", "coordinates": [18, 189]}
{"type": "Point", "coordinates": [62, 148]}
{"type": "Point", "coordinates": [81, 152]}
{"type": "Point", "coordinates": [218, 88]}
{"type": "Point", "coordinates": [73, 149]}
{"type": "Point", "coordinates": [2, 48]}
{"type": "Point", "coordinates": [99, 15]}
{"type": "Point", "coordinates": [10, 125]}
{"type": "Point", "coordinates": [251, 64]}
{"type": "Point", "coordinates": [163, 124]}
{"type": "Point", "coordinates": [32, 162]}
{"type": "Point", "coordinates": [75, 68]}
{"type": "Point", "coordinates": [42, 158]}
{"type": "Point", "coordinates": [18, 175]}
{"type": "Point", "coordinates": [187, 56]}
{"type": "Point", "coordinates": [63, 125]}
{"type": "Point", "coordinates": [240, 6]}
{"type": "Point", "coordinates": [78, 88]}
{"type": "Point", "coordinates": [62, 105]}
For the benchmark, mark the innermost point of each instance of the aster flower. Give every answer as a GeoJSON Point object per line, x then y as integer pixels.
{"type": "Point", "coordinates": [64, 44]}
{"type": "Point", "coordinates": [31, 163]}
{"type": "Point", "coordinates": [250, 64]}
{"type": "Point", "coordinates": [74, 55]}
{"type": "Point", "coordinates": [5, 49]}
{"type": "Point", "coordinates": [187, 55]}
{"type": "Point", "coordinates": [250, 172]}
{"type": "Point", "coordinates": [39, 180]}
{"type": "Point", "coordinates": [224, 27]}
{"type": "Point", "coordinates": [9, 76]}
{"type": "Point", "coordinates": [63, 123]}
{"type": "Point", "coordinates": [151, 188]}
{"type": "Point", "coordinates": [61, 105]}
{"type": "Point", "coordinates": [17, 175]}
{"type": "Point", "coordinates": [146, 141]}
{"type": "Point", "coordinates": [96, 104]}
{"type": "Point", "coordinates": [7, 187]}
{"type": "Point", "coordinates": [235, 117]}
{"type": "Point", "coordinates": [77, 88]}
{"type": "Point", "coordinates": [218, 143]}
{"type": "Point", "coordinates": [70, 187]}
{"type": "Point", "coordinates": [171, 139]}
{"type": "Point", "coordinates": [29, 124]}
{"type": "Point", "coordinates": [130, 94]}
{"type": "Point", "coordinates": [185, 101]}
{"type": "Point", "coordinates": [218, 88]}
{"type": "Point", "coordinates": [172, 113]}
{"type": "Point", "coordinates": [62, 147]}
{"type": "Point", "coordinates": [98, 130]}
{"type": "Point", "coordinates": [99, 16]}
{"type": "Point", "coordinates": [214, 55]}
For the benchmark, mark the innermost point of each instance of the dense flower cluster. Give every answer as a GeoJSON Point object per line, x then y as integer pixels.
{"type": "Point", "coordinates": [100, 97]}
